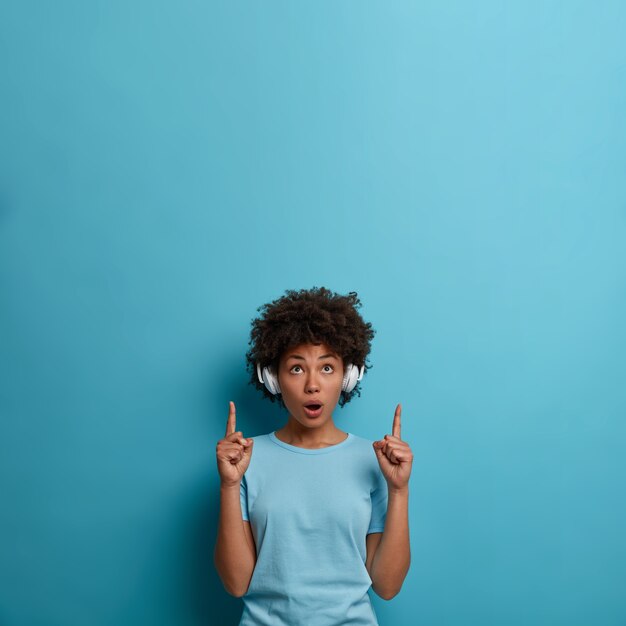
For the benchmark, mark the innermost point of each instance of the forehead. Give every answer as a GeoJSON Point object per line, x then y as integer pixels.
{"type": "Point", "coordinates": [309, 351]}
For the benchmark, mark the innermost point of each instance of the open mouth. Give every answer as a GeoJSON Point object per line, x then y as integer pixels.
{"type": "Point", "coordinates": [314, 409]}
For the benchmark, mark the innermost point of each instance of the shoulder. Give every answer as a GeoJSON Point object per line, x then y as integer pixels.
{"type": "Point", "coordinates": [262, 438]}
{"type": "Point", "coordinates": [262, 445]}
{"type": "Point", "coordinates": [362, 445]}
{"type": "Point", "coordinates": [363, 449]}
{"type": "Point", "coordinates": [262, 454]}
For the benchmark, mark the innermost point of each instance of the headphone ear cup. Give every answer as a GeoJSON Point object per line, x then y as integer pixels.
{"type": "Point", "coordinates": [351, 377]}
{"type": "Point", "coordinates": [269, 379]}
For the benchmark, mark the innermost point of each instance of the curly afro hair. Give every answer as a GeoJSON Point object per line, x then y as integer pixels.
{"type": "Point", "coordinates": [315, 316]}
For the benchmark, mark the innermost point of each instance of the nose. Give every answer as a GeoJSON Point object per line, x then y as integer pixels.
{"type": "Point", "coordinates": [312, 385]}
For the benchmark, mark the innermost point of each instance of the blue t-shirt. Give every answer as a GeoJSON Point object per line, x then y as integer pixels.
{"type": "Point", "coordinates": [309, 512]}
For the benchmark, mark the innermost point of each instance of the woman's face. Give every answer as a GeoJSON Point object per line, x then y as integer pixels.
{"type": "Point", "coordinates": [308, 374]}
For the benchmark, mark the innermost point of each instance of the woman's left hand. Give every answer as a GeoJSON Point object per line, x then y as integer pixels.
{"type": "Point", "coordinates": [394, 455]}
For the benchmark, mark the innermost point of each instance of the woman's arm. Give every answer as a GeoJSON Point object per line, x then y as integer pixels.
{"type": "Point", "coordinates": [235, 552]}
{"type": "Point", "coordinates": [393, 556]}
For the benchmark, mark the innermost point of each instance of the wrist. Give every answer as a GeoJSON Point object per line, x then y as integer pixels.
{"type": "Point", "coordinates": [398, 491]}
{"type": "Point", "coordinates": [230, 486]}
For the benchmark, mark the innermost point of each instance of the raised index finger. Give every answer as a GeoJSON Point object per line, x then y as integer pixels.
{"type": "Point", "coordinates": [396, 422]}
{"type": "Point", "coordinates": [232, 419]}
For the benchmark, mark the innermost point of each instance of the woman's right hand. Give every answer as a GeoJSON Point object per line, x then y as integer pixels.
{"type": "Point", "coordinates": [233, 452]}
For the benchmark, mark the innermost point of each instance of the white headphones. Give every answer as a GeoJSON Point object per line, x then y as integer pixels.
{"type": "Point", "coordinates": [351, 377]}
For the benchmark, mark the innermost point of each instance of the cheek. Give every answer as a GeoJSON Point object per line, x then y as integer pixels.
{"type": "Point", "coordinates": [334, 390]}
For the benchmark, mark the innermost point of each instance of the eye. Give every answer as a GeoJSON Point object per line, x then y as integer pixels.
{"type": "Point", "coordinates": [294, 367]}
{"type": "Point", "coordinates": [331, 367]}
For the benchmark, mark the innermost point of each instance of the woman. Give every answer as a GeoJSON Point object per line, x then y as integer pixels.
{"type": "Point", "coordinates": [316, 515]}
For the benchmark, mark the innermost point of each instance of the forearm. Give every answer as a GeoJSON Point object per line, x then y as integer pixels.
{"type": "Point", "coordinates": [393, 556]}
{"type": "Point", "coordinates": [234, 557]}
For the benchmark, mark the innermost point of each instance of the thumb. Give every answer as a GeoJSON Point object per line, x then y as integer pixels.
{"type": "Point", "coordinates": [377, 449]}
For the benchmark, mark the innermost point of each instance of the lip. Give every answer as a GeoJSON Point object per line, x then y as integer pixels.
{"type": "Point", "coordinates": [310, 413]}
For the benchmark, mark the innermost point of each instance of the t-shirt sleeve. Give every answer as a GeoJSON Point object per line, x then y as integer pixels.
{"type": "Point", "coordinates": [379, 503]}
{"type": "Point", "coordinates": [243, 498]}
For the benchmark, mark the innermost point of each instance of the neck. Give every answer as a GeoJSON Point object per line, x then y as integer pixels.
{"type": "Point", "coordinates": [327, 434]}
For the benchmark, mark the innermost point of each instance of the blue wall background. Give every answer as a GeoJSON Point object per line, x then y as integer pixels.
{"type": "Point", "coordinates": [166, 168]}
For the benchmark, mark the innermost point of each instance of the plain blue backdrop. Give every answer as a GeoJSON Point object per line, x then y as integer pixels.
{"type": "Point", "coordinates": [166, 168]}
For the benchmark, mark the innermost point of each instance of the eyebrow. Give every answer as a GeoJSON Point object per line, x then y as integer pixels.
{"type": "Point", "coordinates": [324, 356]}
